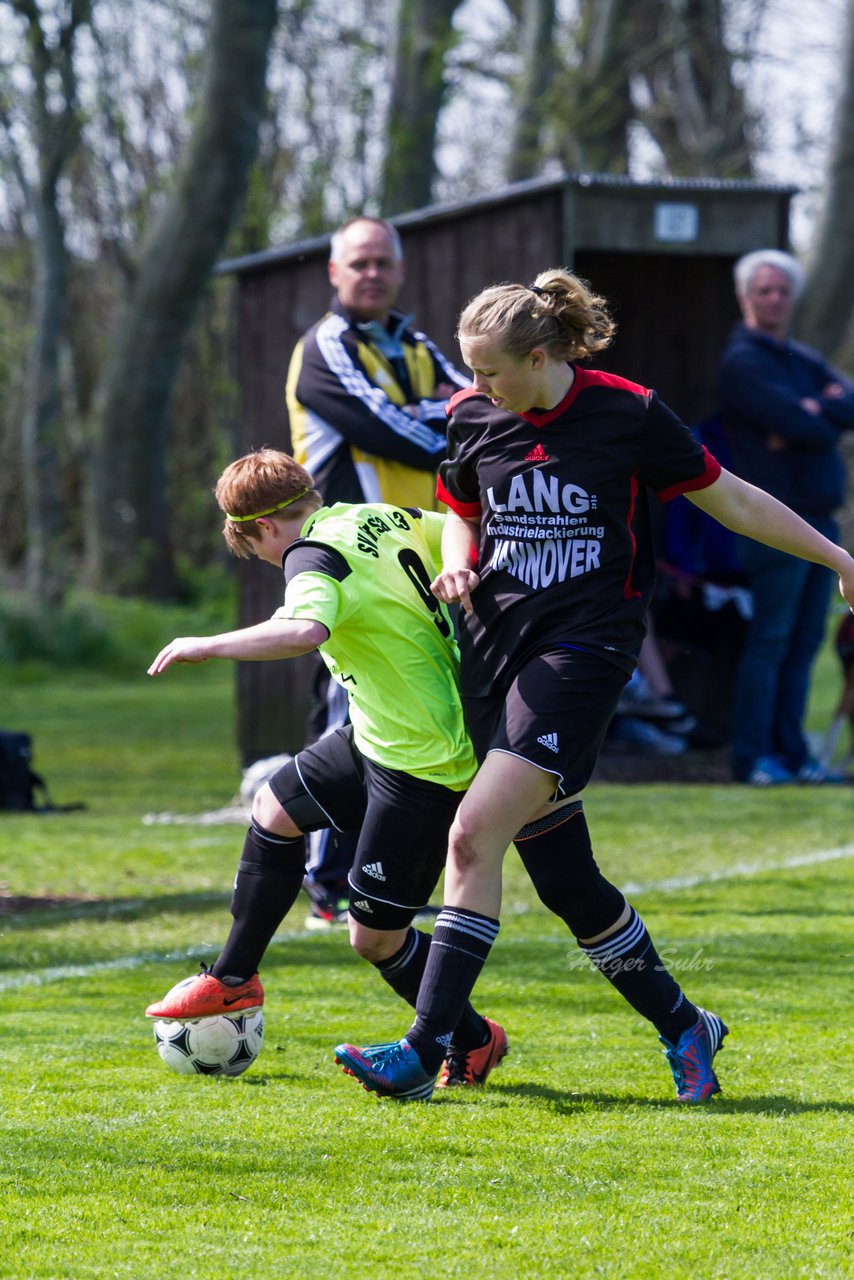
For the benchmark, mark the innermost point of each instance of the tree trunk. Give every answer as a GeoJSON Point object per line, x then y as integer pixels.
{"type": "Point", "coordinates": [41, 427]}
{"type": "Point", "coordinates": [425, 36]}
{"type": "Point", "coordinates": [55, 137]}
{"type": "Point", "coordinates": [132, 412]}
{"type": "Point", "coordinates": [824, 314]}
{"type": "Point", "coordinates": [595, 107]}
{"type": "Point", "coordinates": [533, 87]}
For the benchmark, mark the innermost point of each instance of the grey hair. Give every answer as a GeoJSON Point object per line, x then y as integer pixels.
{"type": "Point", "coordinates": [336, 245]}
{"type": "Point", "coordinates": [745, 269]}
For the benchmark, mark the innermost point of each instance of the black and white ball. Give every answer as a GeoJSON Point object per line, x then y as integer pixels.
{"type": "Point", "coordinates": [217, 1046]}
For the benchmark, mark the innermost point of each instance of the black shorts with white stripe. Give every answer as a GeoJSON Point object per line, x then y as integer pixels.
{"type": "Point", "coordinates": [554, 714]}
{"type": "Point", "coordinates": [402, 846]}
{"type": "Point", "coordinates": [402, 821]}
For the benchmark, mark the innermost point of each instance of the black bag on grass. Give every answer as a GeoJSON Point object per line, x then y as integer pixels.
{"type": "Point", "coordinates": [19, 783]}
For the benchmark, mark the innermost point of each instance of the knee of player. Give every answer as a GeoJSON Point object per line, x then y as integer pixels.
{"type": "Point", "coordinates": [270, 815]}
{"type": "Point", "coordinates": [371, 944]}
{"type": "Point", "coordinates": [466, 846]}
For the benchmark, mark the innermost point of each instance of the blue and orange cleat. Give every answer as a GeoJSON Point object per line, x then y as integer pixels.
{"type": "Point", "coordinates": [472, 1066]}
{"type": "Point", "coordinates": [691, 1059]}
{"type": "Point", "coordinates": [389, 1070]}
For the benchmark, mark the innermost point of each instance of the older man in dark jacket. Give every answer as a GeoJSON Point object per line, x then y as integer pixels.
{"type": "Point", "coordinates": [784, 409]}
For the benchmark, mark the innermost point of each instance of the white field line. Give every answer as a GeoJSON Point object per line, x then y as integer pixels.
{"type": "Point", "coordinates": [42, 977]}
{"type": "Point", "coordinates": [810, 859]}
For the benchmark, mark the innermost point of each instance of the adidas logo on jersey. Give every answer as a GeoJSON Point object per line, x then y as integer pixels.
{"type": "Point", "coordinates": [374, 869]}
{"type": "Point", "coordinates": [549, 740]}
{"type": "Point", "coordinates": [363, 905]}
{"type": "Point", "coordinates": [537, 454]}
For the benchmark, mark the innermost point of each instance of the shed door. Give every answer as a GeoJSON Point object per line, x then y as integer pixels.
{"type": "Point", "coordinates": [673, 314]}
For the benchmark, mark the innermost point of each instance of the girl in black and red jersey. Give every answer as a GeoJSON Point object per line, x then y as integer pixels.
{"type": "Point", "coordinates": [547, 547]}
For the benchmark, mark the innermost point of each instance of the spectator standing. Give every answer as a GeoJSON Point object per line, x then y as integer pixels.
{"type": "Point", "coordinates": [366, 396]}
{"type": "Point", "coordinates": [784, 409]}
{"type": "Point", "coordinates": [366, 392]}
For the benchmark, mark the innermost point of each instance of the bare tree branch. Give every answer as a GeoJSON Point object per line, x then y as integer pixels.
{"type": "Point", "coordinates": [696, 113]}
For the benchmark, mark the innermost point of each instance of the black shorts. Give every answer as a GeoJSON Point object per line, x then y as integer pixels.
{"type": "Point", "coordinates": [403, 824]}
{"type": "Point", "coordinates": [554, 715]}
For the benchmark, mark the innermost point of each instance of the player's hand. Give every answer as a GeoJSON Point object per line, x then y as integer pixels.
{"type": "Point", "coordinates": [182, 649]}
{"type": "Point", "coordinates": [846, 585]}
{"type": "Point", "coordinates": [454, 586]}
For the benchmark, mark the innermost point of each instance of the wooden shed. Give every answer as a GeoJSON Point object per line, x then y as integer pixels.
{"type": "Point", "coordinates": [661, 252]}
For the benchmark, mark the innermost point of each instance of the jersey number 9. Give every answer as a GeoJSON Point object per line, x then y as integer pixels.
{"type": "Point", "coordinates": [413, 567]}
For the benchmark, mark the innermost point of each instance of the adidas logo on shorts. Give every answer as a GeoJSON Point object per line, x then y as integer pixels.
{"type": "Point", "coordinates": [549, 740]}
{"type": "Point", "coordinates": [363, 905]}
{"type": "Point", "coordinates": [374, 869]}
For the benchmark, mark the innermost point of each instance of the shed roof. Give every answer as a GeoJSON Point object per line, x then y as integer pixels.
{"type": "Point", "coordinates": [513, 191]}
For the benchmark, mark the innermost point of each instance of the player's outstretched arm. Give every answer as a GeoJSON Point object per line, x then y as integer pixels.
{"type": "Point", "coordinates": [755, 514]}
{"type": "Point", "coordinates": [275, 638]}
{"type": "Point", "coordinates": [460, 542]}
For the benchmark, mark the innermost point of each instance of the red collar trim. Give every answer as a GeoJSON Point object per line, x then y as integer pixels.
{"type": "Point", "coordinates": [543, 419]}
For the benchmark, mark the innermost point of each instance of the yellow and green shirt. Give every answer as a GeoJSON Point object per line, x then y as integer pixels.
{"type": "Point", "coordinates": [364, 571]}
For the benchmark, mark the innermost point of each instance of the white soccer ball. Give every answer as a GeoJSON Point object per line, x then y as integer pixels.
{"type": "Point", "coordinates": [217, 1046]}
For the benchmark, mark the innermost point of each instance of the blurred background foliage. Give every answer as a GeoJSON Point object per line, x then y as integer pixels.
{"type": "Point", "coordinates": [142, 142]}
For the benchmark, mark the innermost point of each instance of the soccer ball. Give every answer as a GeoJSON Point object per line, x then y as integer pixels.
{"type": "Point", "coordinates": [217, 1046]}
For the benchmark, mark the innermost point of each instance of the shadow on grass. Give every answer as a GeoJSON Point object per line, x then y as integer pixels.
{"type": "Point", "coordinates": [55, 909]}
{"type": "Point", "coordinates": [567, 1102]}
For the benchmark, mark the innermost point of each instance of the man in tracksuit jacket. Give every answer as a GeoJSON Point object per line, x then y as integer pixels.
{"type": "Point", "coordinates": [366, 392]}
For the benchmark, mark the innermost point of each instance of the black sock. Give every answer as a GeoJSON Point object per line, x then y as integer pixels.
{"type": "Point", "coordinates": [461, 943]}
{"type": "Point", "coordinates": [269, 878]}
{"type": "Point", "coordinates": [632, 965]}
{"type": "Point", "coordinates": [403, 972]}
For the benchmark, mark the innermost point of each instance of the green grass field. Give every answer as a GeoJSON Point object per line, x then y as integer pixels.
{"type": "Point", "coordinates": [576, 1160]}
